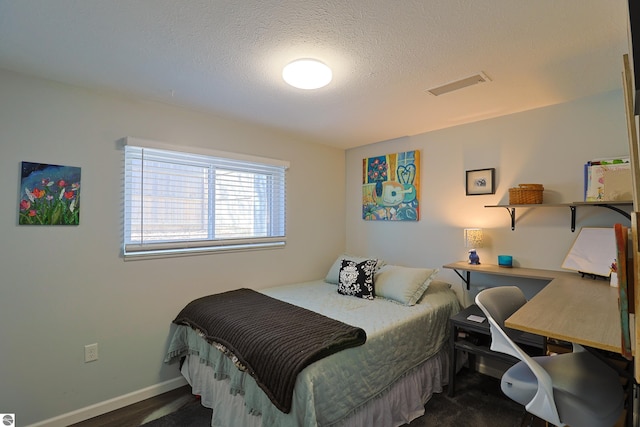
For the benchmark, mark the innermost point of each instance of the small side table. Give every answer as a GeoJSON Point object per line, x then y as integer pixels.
{"type": "Point", "coordinates": [475, 338]}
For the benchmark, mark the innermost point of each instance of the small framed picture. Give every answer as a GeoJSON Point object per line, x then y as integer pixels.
{"type": "Point", "coordinates": [481, 181]}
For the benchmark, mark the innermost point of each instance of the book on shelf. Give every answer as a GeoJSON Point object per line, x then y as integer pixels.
{"type": "Point", "coordinates": [610, 160]}
{"type": "Point", "coordinates": [607, 180]}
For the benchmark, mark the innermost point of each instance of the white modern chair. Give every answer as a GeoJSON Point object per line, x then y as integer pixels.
{"type": "Point", "coordinates": [576, 389]}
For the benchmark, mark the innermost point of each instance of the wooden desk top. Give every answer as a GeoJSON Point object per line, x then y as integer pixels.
{"type": "Point", "coordinates": [575, 309]}
{"type": "Point", "coordinates": [569, 307]}
{"type": "Point", "coordinates": [528, 273]}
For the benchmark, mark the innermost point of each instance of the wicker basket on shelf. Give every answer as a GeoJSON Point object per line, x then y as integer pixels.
{"type": "Point", "coordinates": [526, 194]}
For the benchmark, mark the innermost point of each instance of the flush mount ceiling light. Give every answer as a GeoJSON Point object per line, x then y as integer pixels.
{"type": "Point", "coordinates": [307, 74]}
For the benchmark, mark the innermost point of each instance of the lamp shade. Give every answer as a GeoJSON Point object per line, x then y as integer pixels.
{"type": "Point", "coordinates": [473, 238]}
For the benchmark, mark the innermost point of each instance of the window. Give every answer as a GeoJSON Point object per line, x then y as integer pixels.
{"type": "Point", "coordinates": [178, 203]}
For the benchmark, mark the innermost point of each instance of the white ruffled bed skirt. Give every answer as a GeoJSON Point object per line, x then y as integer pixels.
{"type": "Point", "coordinates": [401, 403]}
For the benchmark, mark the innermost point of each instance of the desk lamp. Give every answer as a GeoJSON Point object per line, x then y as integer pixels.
{"type": "Point", "coordinates": [473, 240]}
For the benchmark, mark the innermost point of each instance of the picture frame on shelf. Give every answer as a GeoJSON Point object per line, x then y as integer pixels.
{"type": "Point", "coordinates": [480, 181]}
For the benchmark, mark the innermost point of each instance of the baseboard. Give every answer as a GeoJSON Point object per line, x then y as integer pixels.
{"type": "Point", "coordinates": [101, 408]}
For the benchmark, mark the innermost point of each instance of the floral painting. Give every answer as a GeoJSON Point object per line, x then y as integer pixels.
{"type": "Point", "coordinates": [49, 194]}
{"type": "Point", "coordinates": [391, 187]}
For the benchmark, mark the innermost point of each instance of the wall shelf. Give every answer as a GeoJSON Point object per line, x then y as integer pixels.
{"type": "Point", "coordinates": [572, 206]}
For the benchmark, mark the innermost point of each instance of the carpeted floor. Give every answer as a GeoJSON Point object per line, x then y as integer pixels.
{"type": "Point", "coordinates": [478, 403]}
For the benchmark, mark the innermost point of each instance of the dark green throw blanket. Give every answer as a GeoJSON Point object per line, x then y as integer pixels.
{"type": "Point", "coordinates": [273, 339]}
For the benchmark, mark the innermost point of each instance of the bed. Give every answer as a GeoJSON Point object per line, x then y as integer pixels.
{"type": "Point", "coordinates": [384, 382]}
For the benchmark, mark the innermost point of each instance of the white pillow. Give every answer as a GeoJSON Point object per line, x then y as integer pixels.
{"type": "Point", "coordinates": [403, 284]}
{"type": "Point", "coordinates": [334, 272]}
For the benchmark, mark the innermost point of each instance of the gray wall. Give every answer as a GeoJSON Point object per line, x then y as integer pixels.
{"type": "Point", "coordinates": [548, 146]}
{"type": "Point", "coordinates": [64, 287]}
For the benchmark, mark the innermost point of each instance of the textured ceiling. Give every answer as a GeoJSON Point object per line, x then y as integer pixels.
{"type": "Point", "coordinates": [226, 57]}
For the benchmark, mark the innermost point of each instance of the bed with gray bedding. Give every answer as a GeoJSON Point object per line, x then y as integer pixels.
{"type": "Point", "coordinates": [383, 382]}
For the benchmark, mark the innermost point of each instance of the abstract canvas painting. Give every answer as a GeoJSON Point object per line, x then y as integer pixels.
{"type": "Point", "coordinates": [391, 187]}
{"type": "Point", "coordinates": [49, 194]}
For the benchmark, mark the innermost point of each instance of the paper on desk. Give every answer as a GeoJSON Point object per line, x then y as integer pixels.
{"type": "Point", "coordinates": [592, 252]}
{"type": "Point", "coordinates": [475, 318]}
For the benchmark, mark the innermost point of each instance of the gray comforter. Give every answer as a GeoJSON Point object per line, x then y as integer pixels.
{"type": "Point", "coordinates": [399, 339]}
{"type": "Point", "coordinates": [271, 339]}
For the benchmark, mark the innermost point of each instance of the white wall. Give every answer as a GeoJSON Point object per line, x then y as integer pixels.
{"type": "Point", "coordinates": [64, 287]}
{"type": "Point", "coordinates": [547, 146]}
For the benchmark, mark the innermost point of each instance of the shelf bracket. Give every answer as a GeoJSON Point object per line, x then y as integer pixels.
{"type": "Point", "coordinates": [467, 279]}
{"type": "Point", "coordinates": [614, 208]}
{"type": "Point", "coordinates": [605, 205]}
{"type": "Point", "coordinates": [512, 214]}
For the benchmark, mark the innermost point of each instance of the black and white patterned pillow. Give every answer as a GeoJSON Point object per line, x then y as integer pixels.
{"type": "Point", "coordinates": [356, 279]}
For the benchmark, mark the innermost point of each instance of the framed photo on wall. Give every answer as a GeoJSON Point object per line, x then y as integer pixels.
{"type": "Point", "coordinates": [481, 181]}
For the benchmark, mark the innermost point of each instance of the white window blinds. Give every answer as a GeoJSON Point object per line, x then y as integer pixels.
{"type": "Point", "coordinates": [177, 202]}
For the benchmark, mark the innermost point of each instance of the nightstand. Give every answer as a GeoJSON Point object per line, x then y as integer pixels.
{"type": "Point", "coordinates": [475, 338]}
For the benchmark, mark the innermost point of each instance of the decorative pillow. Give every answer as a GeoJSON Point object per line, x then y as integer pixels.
{"type": "Point", "coordinates": [334, 271]}
{"type": "Point", "coordinates": [403, 284]}
{"type": "Point", "coordinates": [356, 279]}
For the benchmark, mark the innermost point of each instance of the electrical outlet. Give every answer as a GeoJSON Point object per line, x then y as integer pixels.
{"type": "Point", "coordinates": [90, 352]}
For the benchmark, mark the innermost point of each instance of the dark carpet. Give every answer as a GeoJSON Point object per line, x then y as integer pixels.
{"type": "Point", "coordinates": [478, 402]}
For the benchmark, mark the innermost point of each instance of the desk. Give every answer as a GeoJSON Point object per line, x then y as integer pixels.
{"type": "Point", "coordinates": [569, 308]}
{"type": "Point", "coordinates": [579, 310]}
{"type": "Point", "coordinates": [574, 309]}
{"type": "Point", "coordinates": [525, 273]}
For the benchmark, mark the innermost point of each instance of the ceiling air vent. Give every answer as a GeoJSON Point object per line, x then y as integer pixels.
{"type": "Point", "coordinates": [459, 84]}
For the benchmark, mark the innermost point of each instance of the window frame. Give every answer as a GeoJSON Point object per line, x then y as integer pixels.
{"type": "Point", "coordinates": [275, 238]}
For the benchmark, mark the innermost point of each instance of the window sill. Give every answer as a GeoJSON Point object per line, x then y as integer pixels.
{"type": "Point", "coordinates": [205, 250]}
